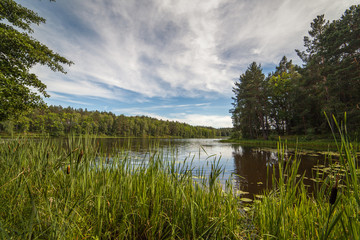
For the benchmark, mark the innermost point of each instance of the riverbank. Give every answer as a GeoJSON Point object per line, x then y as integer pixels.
{"type": "Point", "coordinates": [47, 135]}
{"type": "Point", "coordinates": [84, 191]}
{"type": "Point", "coordinates": [290, 142]}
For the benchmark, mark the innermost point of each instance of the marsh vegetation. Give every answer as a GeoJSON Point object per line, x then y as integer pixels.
{"type": "Point", "coordinates": [82, 189]}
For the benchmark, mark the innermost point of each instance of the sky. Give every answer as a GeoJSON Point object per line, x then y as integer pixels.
{"type": "Point", "coordinates": [169, 59]}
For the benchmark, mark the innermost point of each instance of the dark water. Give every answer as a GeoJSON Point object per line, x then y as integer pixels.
{"type": "Point", "coordinates": [249, 168]}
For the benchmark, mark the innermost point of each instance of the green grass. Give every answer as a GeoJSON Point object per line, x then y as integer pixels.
{"type": "Point", "coordinates": [104, 195]}
{"type": "Point", "coordinates": [289, 212]}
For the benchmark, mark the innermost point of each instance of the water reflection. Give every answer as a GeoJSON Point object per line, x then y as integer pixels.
{"type": "Point", "coordinates": [249, 168]}
{"type": "Point", "coordinates": [253, 168]}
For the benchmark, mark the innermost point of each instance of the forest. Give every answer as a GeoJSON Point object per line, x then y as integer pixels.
{"type": "Point", "coordinates": [302, 100]}
{"type": "Point", "coordinates": [59, 121]}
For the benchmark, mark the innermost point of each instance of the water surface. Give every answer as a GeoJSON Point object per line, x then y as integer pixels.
{"type": "Point", "coordinates": [249, 168]}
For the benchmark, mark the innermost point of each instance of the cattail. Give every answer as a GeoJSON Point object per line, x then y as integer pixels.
{"type": "Point", "coordinates": [74, 150]}
{"type": "Point", "coordinates": [80, 156]}
{"type": "Point", "coordinates": [47, 155]}
{"type": "Point", "coordinates": [334, 191]}
{"type": "Point", "coordinates": [68, 169]}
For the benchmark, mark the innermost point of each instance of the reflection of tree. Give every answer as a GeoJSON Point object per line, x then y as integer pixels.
{"type": "Point", "coordinates": [256, 165]}
{"type": "Point", "coordinates": [253, 166]}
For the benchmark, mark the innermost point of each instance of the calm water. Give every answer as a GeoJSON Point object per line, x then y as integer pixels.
{"type": "Point", "coordinates": [246, 166]}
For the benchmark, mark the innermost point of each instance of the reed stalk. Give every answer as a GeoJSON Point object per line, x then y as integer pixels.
{"type": "Point", "coordinates": [50, 190]}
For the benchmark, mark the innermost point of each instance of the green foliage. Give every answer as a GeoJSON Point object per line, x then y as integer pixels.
{"type": "Point", "coordinates": [289, 211]}
{"type": "Point", "coordinates": [58, 121]}
{"type": "Point", "coordinates": [19, 52]}
{"type": "Point", "coordinates": [250, 103]}
{"type": "Point", "coordinates": [81, 191]}
{"type": "Point", "coordinates": [282, 96]}
{"type": "Point", "coordinates": [331, 74]}
{"type": "Point", "coordinates": [341, 53]}
{"type": "Point", "coordinates": [294, 99]}
{"type": "Point", "coordinates": [51, 189]}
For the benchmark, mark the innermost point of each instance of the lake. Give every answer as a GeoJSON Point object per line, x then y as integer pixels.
{"type": "Point", "coordinates": [246, 166]}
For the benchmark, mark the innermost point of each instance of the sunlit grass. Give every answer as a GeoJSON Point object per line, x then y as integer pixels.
{"type": "Point", "coordinates": [80, 191]}
{"type": "Point", "coordinates": [289, 211]}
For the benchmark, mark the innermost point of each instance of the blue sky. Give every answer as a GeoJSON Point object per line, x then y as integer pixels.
{"type": "Point", "coordinates": [169, 59]}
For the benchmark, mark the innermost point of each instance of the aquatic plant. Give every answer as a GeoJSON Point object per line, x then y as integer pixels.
{"type": "Point", "coordinates": [290, 211]}
{"type": "Point", "coordinates": [51, 190]}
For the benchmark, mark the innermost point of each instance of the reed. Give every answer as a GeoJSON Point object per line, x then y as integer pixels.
{"type": "Point", "coordinates": [54, 190]}
{"type": "Point", "coordinates": [81, 189]}
{"type": "Point", "coordinates": [290, 211]}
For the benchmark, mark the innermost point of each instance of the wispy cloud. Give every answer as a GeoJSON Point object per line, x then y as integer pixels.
{"type": "Point", "coordinates": [174, 48]}
{"type": "Point", "coordinates": [168, 110]}
{"type": "Point", "coordinates": [132, 51]}
{"type": "Point", "coordinates": [216, 121]}
{"type": "Point", "coordinates": [264, 31]}
{"type": "Point", "coordinates": [62, 98]}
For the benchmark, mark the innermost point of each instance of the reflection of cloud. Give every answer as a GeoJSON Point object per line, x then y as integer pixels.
{"type": "Point", "coordinates": [172, 48]}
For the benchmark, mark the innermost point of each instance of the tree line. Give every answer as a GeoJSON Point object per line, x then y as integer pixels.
{"type": "Point", "coordinates": [59, 121]}
{"type": "Point", "coordinates": [22, 108]}
{"type": "Point", "coordinates": [294, 99]}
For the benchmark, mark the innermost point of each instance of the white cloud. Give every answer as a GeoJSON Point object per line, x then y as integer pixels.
{"type": "Point", "coordinates": [216, 121]}
{"type": "Point", "coordinates": [164, 49]}
{"type": "Point", "coordinates": [264, 31]}
{"type": "Point", "coordinates": [62, 98]}
{"type": "Point", "coordinates": [175, 48]}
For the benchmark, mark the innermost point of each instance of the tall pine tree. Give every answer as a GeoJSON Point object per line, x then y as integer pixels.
{"type": "Point", "coordinates": [249, 114]}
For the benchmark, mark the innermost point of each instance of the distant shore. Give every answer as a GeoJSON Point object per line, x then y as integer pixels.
{"type": "Point", "coordinates": [292, 142]}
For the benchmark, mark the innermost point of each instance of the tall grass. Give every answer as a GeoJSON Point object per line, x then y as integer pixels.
{"type": "Point", "coordinates": [289, 211]}
{"type": "Point", "coordinates": [48, 191]}
{"type": "Point", "coordinates": [80, 190]}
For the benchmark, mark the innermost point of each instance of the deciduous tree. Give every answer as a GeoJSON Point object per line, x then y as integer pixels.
{"type": "Point", "coordinates": [20, 89]}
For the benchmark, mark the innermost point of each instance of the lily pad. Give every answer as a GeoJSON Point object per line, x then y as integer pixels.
{"type": "Point", "coordinates": [246, 209]}
{"type": "Point", "coordinates": [259, 196]}
{"type": "Point", "coordinates": [246, 200]}
{"type": "Point", "coordinates": [316, 180]}
{"type": "Point", "coordinates": [239, 192]}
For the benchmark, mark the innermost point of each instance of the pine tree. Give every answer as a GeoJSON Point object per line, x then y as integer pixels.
{"type": "Point", "coordinates": [250, 104]}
